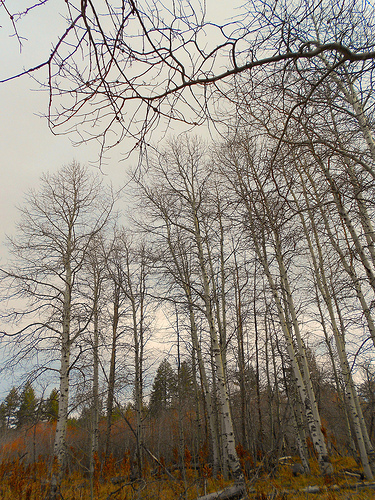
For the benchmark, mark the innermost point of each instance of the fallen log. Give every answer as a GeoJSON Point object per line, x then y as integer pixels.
{"type": "Point", "coordinates": [309, 490]}
{"type": "Point", "coordinates": [238, 492]}
{"type": "Point", "coordinates": [353, 473]}
{"type": "Point", "coordinates": [336, 487]}
{"type": "Point", "coordinates": [231, 493]}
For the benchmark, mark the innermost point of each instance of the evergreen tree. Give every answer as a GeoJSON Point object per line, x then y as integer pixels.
{"type": "Point", "coordinates": [51, 406]}
{"type": "Point", "coordinates": [27, 410]}
{"type": "Point", "coordinates": [11, 405]}
{"type": "Point", "coordinates": [3, 420]}
{"type": "Point", "coordinates": [163, 388]}
{"type": "Point", "coordinates": [186, 383]}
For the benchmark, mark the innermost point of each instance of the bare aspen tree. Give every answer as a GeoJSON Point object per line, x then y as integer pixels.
{"type": "Point", "coordinates": [333, 174]}
{"type": "Point", "coordinates": [336, 374]}
{"type": "Point", "coordinates": [57, 226]}
{"type": "Point", "coordinates": [186, 168]}
{"type": "Point", "coordinates": [131, 67]}
{"type": "Point", "coordinates": [117, 310]}
{"type": "Point", "coordinates": [344, 256]}
{"type": "Point", "coordinates": [357, 403]}
{"type": "Point", "coordinates": [96, 277]}
{"type": "Point", "coordinates": [129, 270]}
{"type": "Point", "coordinates": [334, 145]}
{"type": "Point", "coordinates": [112, 366]}
{"type": "Point", "coordinates": [263, 229]}
{"type": "Point", "coordinates": [135, 290]}
{"type": "Point", "coordinates": [320, 277]}
{"type": "Point", "coordinates": [181, 271]}
{"type": "Point", "coordinates": [239, 299]}
{"type": "Point", "coordinates": [182, 177]}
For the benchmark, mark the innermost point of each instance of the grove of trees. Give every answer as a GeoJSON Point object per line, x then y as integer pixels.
{"type": "Point", "coordinates": [248, 259]}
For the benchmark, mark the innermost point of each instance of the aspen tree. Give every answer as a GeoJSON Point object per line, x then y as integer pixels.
{"type": "Point", "coordinates": [261, 227]}
{"type": "Point", "coordinates": [193, 198]}
{"type": "Point", "coordinates": [181, 271]}
{"type": "Point", "coordinates": [129, 271]}
{"type": "Point", "coordinates": [95, 284]}
{"type": "Point", "coordinates": [238, 291]}
{"type": "Point", "coordinates": [345, 260]}
{"type": "Point", "coordinates": [182, 177]}
{"type": "Point", "coordinates": [114, 265]}
{"type": "Point", "coordinates": [112, 366]}
{"type": "Point", "coordinates": [320, 276]}
{"type": "Point", "coordinates": [57, 226]}
{"type": "Point", "coordinates": [344, 215]}
{"type": "Point", "coordinates": [340, 394]}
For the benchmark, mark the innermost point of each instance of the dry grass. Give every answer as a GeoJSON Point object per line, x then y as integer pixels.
{"type": "Point", "coordinates": [20, 482]}
{"type": "Point", "coordinates": [339, 486]}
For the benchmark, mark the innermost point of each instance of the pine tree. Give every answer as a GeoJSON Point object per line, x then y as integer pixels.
{"type": "Point", "coordinates": [51, 406]}
{"type": "Point", "coordinates": [11, 405]}
{"type": "Point", "coordinates": [27, 410]}
{"type": "Point", "coordinates": [186, 383]}
{"type": "Point", "coordinates": [163, 388]}
{"type": "Point", "coordinates": [3, 420]}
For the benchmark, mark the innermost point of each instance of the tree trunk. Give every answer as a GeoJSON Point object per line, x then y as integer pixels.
{"type": "Point", "coordinates": [306, 392]}
{"type": "Point", "coordinates": [94, 436]}
{"type": "Point", "coordinates": [321, 281]}
{"type": "Point", "coordinates": [184, 277]}
{"type": "Point", "coordinates": [225, 414]}
{"type": "Point", "coordinates": [241, 357]}
{"type": "Point", "coordinates": [205, 384]}
{"type": "Point", "coordinates": [59, 449]}
{"type": "Point", "coordinates": [112, 369]}
{"type": "Point", "coordinates": [137, 320]}
{"type": "Point", "coordinates": [356, 282]}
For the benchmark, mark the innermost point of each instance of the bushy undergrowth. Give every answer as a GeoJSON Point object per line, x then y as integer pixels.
{"type": "Point", "coordinates": [112, 481]}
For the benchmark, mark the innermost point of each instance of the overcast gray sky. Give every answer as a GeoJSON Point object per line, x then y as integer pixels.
{"type": "Point", "coordinates": [27, 146]}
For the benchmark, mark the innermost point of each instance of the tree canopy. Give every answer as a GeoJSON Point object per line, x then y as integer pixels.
{"type": "Point", "coordinates": [122, 69]}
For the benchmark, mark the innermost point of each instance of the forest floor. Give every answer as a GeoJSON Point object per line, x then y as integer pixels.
{"type": "Point", "coordinates": [19, 482]}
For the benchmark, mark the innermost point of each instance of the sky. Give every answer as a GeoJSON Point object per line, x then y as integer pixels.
{"type": "Point", "coordinates": [27, 147]}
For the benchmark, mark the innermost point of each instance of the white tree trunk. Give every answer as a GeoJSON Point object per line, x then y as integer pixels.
{"type": "Point", "coordinates": [138, 386]}
{"type": "Point", "coordinates": [306, 391]}
{"type": "Point", "coordinates": [205, 384]}
{"type": "Point", "coordinates": [185, 280]}
{"type": "Point", "coordinates": [300, 436]}
{"type": "Point", "coordinates": [112, 368]}
{"type": "Point", "coordinates": [94, 436]}
{"type": "Point", "coordinates": [348, 223]}
{"type": "Point", "coordinates": [228, 432]}
{"type": "Point", "coordinates": [365, 218]}
{"type": "Point", "coordinates": [340, 345]}
{"type": "Point", "coordinates": [347, 266]}
{"type": "Point", "coordinates": [59, 449]}
{"type": "Point", "coordinates": [324, 462]}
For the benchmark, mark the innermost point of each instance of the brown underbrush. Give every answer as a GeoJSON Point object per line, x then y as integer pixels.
{"type": "Point", "coordinates": [112, 481]}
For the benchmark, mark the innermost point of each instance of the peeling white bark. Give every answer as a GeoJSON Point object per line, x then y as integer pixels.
{"type": "Point", "coordinates": [346, 265]}
{"type": "Point", "coordinates": [318, 263]}
{"type": "Point", "coordinates": [59, 449]}
{"type": "Point", "coordinates": [228, 432]}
